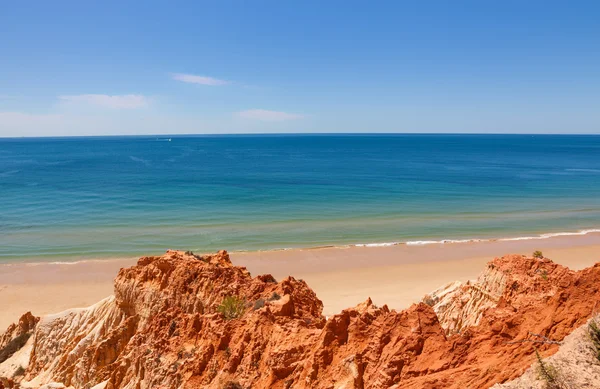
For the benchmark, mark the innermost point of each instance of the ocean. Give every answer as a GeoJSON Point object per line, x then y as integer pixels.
{"type": "Point", "coordinates": [67, 199]}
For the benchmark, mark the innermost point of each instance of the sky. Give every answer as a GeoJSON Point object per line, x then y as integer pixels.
{"type": "Point", "coordinates": [70, 68]}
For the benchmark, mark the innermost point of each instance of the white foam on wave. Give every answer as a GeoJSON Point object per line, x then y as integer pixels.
{"type": "Point", "coordinates": [474, 240]}
{"type": "Point", "coordinates": [64, 263]}
{"type": "Point", "coordinates": [423, 242]}
{"type": "Point", "coordinates": [553, 235]}
{"type": "Point", "coordinates": [443, 241]}
{"type": "Point", "coordinates": [384, 244]}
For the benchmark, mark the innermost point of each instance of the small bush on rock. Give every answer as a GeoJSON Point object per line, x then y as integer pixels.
{"type": "Point", "coordinates": [594, 330]}
{"type": "Point", "coordinates": [232, 307]}
{"type": "Point", "coordinates": [549, 374]}
{"type": "Point", "coordinates": [538, 254]}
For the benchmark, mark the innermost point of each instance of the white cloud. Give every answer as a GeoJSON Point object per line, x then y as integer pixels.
{"type": "Point", "coordinates": [202, 80]}
{"type": "Point", "coordinates": [268, 116]}
{"type": "Point", "coordinates": [108, 101]}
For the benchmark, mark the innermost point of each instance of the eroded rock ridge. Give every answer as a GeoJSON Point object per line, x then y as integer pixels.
{"type": "Point", "coordinates": [186, 321]}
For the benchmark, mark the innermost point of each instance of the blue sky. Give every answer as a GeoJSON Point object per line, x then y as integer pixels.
{"type": "Point", "coordinates": [98, 68]}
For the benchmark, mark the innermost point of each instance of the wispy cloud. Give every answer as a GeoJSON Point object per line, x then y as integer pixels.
{"type": "Point", "coordinates": [268, 116]}
{"type": "Point", "coordinates": [202, 80]}
{"type": "Point", "coordinates": [108, 101]}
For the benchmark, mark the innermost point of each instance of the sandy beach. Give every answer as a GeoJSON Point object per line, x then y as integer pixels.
{"type": "Point", "coordinates": [341, 276]}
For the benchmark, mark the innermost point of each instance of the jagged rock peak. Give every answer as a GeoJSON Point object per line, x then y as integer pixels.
{"type": "Point", "coordinates": [514, 279]}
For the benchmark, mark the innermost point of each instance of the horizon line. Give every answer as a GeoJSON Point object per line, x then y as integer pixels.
{"type": "Point", "coordinates": [293, 134]}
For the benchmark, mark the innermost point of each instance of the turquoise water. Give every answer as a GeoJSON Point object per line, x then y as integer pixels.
{"type": "Point", "coordinates": [107, 197]}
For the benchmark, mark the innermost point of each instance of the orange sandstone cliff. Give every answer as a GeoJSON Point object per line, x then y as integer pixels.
{"type": "Point", "coordinates": [167, 327]}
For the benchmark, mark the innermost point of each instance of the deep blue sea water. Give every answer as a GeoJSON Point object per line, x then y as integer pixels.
{"type": "Point", "coordinates": [107, 197]}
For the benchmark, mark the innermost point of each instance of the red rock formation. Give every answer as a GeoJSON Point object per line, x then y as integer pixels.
{"type": "Point", "coordinates": [512, 278]}
{"type": "Point", "coordinates": [163, 329]}
{"type": "Point", "coordinates": [538, 297]}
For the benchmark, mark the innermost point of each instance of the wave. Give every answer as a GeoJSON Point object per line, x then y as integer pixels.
{"type": "Point", "coordinates": [584, 170]}
{"type": "Point", "coordinates": [376, 244]}
{"type": "Point", "coordinates": [443, 241]}
{"type": "Point", "coordinates": [476, 240]}
{"type": "Point", "coordinates": [552, 235]}
{"type": "Point", "coordinates": [68, 263]}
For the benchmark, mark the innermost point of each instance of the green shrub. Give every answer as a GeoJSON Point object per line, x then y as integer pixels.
{"type": "Point", "coordinates": [274, 296]}
{"type": "Point", "coordinates": [546, 371]}
{"type": "Point", "coordinates": [538, 254]}
{"type": "Point", "coordinates": [544, 275]}
{"type": "Point", "coordinates": [594, 331]}
{"type": "Point", "coordinates": [550, 374]}
{"type": "Point", "coordinates": [232, 307]}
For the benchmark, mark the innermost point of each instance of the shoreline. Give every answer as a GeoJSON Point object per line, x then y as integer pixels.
{"type": "Point", "coordinates": [396, 275]}
{"type": "Point", "coordinates": [540, 236]}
